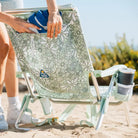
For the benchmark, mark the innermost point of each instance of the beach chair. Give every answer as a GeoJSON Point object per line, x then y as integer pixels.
{"type": "Point", "coordinates": [60, 70]}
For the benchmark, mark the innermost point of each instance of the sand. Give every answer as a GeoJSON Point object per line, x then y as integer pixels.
{"type": "Point", "coordinates": [114, 124]}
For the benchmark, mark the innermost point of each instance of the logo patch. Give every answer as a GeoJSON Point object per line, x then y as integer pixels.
{"type": "Point", "coordinates": [43, 74]}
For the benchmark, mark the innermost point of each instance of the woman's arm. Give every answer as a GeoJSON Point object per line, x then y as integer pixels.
{"type": "Point", "coordinates": [18, 24]}
{"type": "Point", "coordinates": [54, 19]}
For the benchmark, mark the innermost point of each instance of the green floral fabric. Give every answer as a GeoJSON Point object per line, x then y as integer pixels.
{"type": "Point", "coordinates": [64, 60]}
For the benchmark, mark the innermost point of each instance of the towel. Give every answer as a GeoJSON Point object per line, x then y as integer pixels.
{"type": "Point", "coordinates": [40, 19]}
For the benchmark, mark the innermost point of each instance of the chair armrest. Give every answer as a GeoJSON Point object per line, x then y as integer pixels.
{"type": "Point", "coordinates": [108, 72]}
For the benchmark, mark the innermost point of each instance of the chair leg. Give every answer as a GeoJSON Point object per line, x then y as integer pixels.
{"type": "Point", "coordinates": [20, 115]}
{"type": "Point", "coordinates": [103, 110]}
{"type": "Point", "coordinates": [92, 114]}
{"type": "Point", "coordinates": [126, 110]}
{"type": "Point", "coordinates": [66, 113]}
{"type": "Point", "coordinates": [30, 89]}
{"type": "Point", "coordinates": [99, 123]}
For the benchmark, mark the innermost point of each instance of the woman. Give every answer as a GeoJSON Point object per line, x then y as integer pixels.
{"type": "Point", "coordinates": [8, 59]}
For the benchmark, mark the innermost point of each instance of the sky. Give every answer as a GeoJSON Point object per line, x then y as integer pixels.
{"type": "Point", "coordinates": [102, 20]}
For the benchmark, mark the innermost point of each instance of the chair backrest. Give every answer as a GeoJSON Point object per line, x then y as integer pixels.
{"type": "Point", "coordinates": [59, 67]}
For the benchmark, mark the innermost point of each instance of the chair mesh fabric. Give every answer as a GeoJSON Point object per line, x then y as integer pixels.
{"type": "Point", "coordinates": [65, 59]}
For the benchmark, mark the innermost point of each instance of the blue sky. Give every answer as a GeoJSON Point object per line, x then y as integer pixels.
{"type": "Point", "coordinates": [102, 20]}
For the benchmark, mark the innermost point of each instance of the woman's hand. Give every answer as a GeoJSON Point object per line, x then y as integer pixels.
{"type": "Point", "coordinates": [54, 24]}
{"type": "Point", "coordinates": [21, 25]}
{"type": "Point", "coordinates": [18, 24]}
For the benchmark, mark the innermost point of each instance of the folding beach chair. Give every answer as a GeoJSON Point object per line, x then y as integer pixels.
{"type": "Point", "coordinates": [60, 70]}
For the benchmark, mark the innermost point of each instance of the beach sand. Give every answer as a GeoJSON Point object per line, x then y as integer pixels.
{"type": "Point", "coordinates": [114, 124]}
